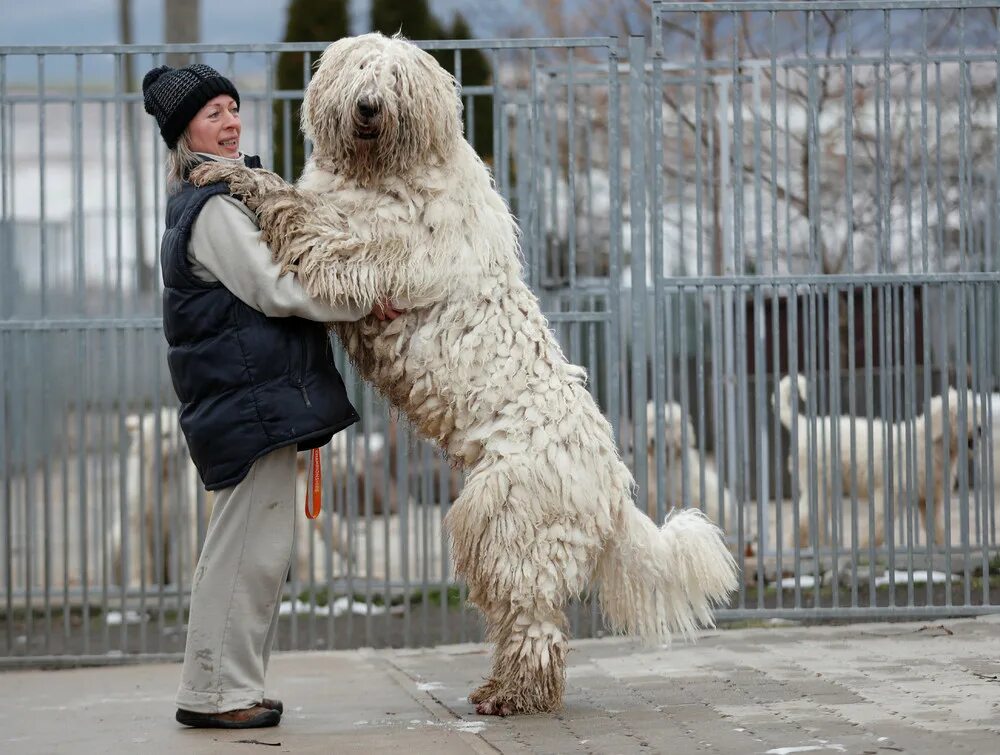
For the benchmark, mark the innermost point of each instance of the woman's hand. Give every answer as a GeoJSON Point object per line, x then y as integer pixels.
{"type": "Point", "coordinates": [384, 310]}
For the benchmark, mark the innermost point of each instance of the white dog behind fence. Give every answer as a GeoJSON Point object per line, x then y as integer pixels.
{"type": "Point", "coordinates": [157, 543]}
{"type": "Point", "coordinates": [816, 457]}
{"type": "Point", "coordinates": [168, 509]}
{"type": "Point", "coordinates": [681, 459]}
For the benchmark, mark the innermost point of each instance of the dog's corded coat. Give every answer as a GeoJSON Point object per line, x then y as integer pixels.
{"type": "Point", "coordinates": [394, 202]}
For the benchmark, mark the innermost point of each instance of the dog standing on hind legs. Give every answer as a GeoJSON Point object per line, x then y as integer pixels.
{"type": "Point", "coordinates": [395, 203]}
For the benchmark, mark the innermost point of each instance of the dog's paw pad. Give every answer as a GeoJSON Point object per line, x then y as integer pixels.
{"type": "Point", "coordinates": [494, 707]}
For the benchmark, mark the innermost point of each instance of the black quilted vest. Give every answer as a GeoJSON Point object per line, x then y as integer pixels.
{"type": "Point", "coordinates": [247, 384]}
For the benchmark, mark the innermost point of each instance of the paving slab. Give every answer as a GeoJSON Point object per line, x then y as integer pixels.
{"type": "Point", "coordinates": [871, 689]}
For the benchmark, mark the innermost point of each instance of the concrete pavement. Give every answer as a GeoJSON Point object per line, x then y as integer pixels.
{"type": "Point", "coordinates": [865, 688]}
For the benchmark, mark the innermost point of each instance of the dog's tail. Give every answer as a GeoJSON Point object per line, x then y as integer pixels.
{"type": "Point", "coordinates": [784, 403]}
{"type": "Point", "coordinates": [657, 581]}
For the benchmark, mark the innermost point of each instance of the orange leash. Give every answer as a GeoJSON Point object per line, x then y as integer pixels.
{"type": "Point", "coordinates": [316, 487]}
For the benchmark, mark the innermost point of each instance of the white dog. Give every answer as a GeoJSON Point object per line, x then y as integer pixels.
{"type": "Point", "coordinates": [161, 479]}
{"type": "Point", "coordinates": [680, 456]}
{"type": "Point", "coordinates": [161, 489]}
{"type": "Point", "coordinates": [395, 203]}
{"type": "Point", "coordinates": [859, 478]}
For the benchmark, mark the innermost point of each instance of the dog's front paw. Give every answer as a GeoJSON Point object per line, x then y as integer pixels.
{"type": "Point", "coordinates": [212, 172]}
{"type": "Point", "coordinates": [242, 181]}
{"type": "Point", "coordinates": [489, 701]}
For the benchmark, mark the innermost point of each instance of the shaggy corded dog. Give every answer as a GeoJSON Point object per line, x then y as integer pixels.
{"type": "Point", "coordinates": [394, 202]}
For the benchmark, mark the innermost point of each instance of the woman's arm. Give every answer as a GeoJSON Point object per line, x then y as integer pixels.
{"type": "Point", "coordinates": [311, 236]}
{"type": "Point", "coordinates": [227, 246]}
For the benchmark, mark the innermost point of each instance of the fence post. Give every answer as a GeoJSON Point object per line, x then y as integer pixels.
{"type": "Point", "coordinates": [637, 254]}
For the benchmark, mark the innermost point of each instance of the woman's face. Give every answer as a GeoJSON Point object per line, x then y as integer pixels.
{"type": "Point", "coordinates": [215, 129]}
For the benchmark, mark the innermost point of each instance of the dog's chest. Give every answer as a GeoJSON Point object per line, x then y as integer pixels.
{"type": "Point", "coordinates": [370, 210]}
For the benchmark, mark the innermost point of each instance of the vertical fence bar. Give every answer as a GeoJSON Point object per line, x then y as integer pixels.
{"type": "Point", "coordinates": [925, 290]}
{"type": "Point", "coordinates": [31, 437]}
{"type": "Point", "coordinates": [107, 219]}
{"type": "Point", "coordinates": [42, 235]}
{"type": "Point", "coordinates": [836, 442]}
{"type": "Point", "coordinates": [612, 374]}
{"type": "Point", "coordinates": [403, 462]}
{"type": "Point", "coordinates": [571, 168]}
{"type": "Point", "coordinates": [537, 172]}
{"type": "Point", "coordinates": [637, 254]}
{"type": "Point", "coordinates": [659, 356]}
{"type": "Point", "coordinates": [735, 266]}
{"type": "Point", "coordinates": [367, 503]}
{"type": "Point", "coordinates": [763, 495]}
{"type": "Point", "coordinates": [119, 293]}
{"type": "Point", "coordinates": [121, 434]}
{"type": "Point", "coordinates": [43, 375]}
{"type": "Point", "coordinates": [497, 116]}
{"type": "Point", "coordinates": [307, 144]}
{"type": "Point", "coordinates": [869, 350]}
{"type": "Point", "coordinates": [961, 358]}
{"type": "Point", "coordinates": [886, 302]}
{"type": "Point", "coordinates": [849, 54]}
{"type": "Point", "coordinates": [778, 452]}
{"type": "Point", "coordinates": [105, 360]}
{"type": "Point", "coordinates": [975, 419]}
{"type": "Point", "coordinates": [6, 463]}
{"type": "Point", "coordinates": [65, 470]}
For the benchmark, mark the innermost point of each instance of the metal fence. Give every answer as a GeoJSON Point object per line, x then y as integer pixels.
{"type": "Point", "coordinates": [756, 189]}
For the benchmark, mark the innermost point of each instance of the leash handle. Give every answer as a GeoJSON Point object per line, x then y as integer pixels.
{"type": "Point", "coordinates": [315, 487]}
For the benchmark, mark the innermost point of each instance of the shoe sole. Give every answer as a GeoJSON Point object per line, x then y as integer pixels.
{"type": "Point", "coordinates": [210, 721]}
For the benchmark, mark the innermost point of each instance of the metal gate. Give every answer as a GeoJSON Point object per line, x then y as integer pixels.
{"type": "Point", "coordinates": [753, 190]}
{"type": "Point", "coordinates": [823, 175]}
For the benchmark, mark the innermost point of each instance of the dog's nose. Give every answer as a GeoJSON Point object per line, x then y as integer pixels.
{"type": "Point", "coordinates": [367, 108]}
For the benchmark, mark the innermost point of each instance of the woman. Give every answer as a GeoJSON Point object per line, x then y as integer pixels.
{"type": "Point", "coordinates": [251, 366]}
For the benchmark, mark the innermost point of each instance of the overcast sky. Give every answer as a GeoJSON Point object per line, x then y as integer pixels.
{"type": "Point", "coordinates": [95, 22]}
{"type": "Point", "coordinates": [73, 22]}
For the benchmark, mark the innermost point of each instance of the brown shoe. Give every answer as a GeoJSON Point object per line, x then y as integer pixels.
{"type": "Point", "coordinates": [273, 704]}
{"type": "Point", "coordinates": [256, 717]}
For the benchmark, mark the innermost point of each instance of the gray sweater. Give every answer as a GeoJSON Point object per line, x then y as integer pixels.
{"type": "Point", "coordinates": [226, 247]}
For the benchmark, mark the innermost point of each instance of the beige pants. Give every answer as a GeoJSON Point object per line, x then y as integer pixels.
{"type": "Point", "coordinates": [237, 587]}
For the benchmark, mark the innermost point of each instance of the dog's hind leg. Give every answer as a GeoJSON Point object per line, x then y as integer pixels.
{"type": "Point", "coordinates": [529, 661]}
{"type": "Point", "coordinates": [522, 563]}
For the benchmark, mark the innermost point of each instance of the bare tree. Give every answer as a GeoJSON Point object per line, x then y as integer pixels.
{"type": "Point", "coordinates": [857, 120]}
{"type": "Point", "coordinates": [861, 205]}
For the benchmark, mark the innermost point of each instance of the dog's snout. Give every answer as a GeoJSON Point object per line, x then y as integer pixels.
{"type": "Point", "coordinates": [367, 108]}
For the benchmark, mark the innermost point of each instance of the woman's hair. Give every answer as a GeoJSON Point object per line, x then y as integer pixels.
{"type": "Point", "coordinates": [180, 160]}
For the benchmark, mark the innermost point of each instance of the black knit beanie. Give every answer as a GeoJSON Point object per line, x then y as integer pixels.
{"type": "Point", "coordinates": [174, 95]}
